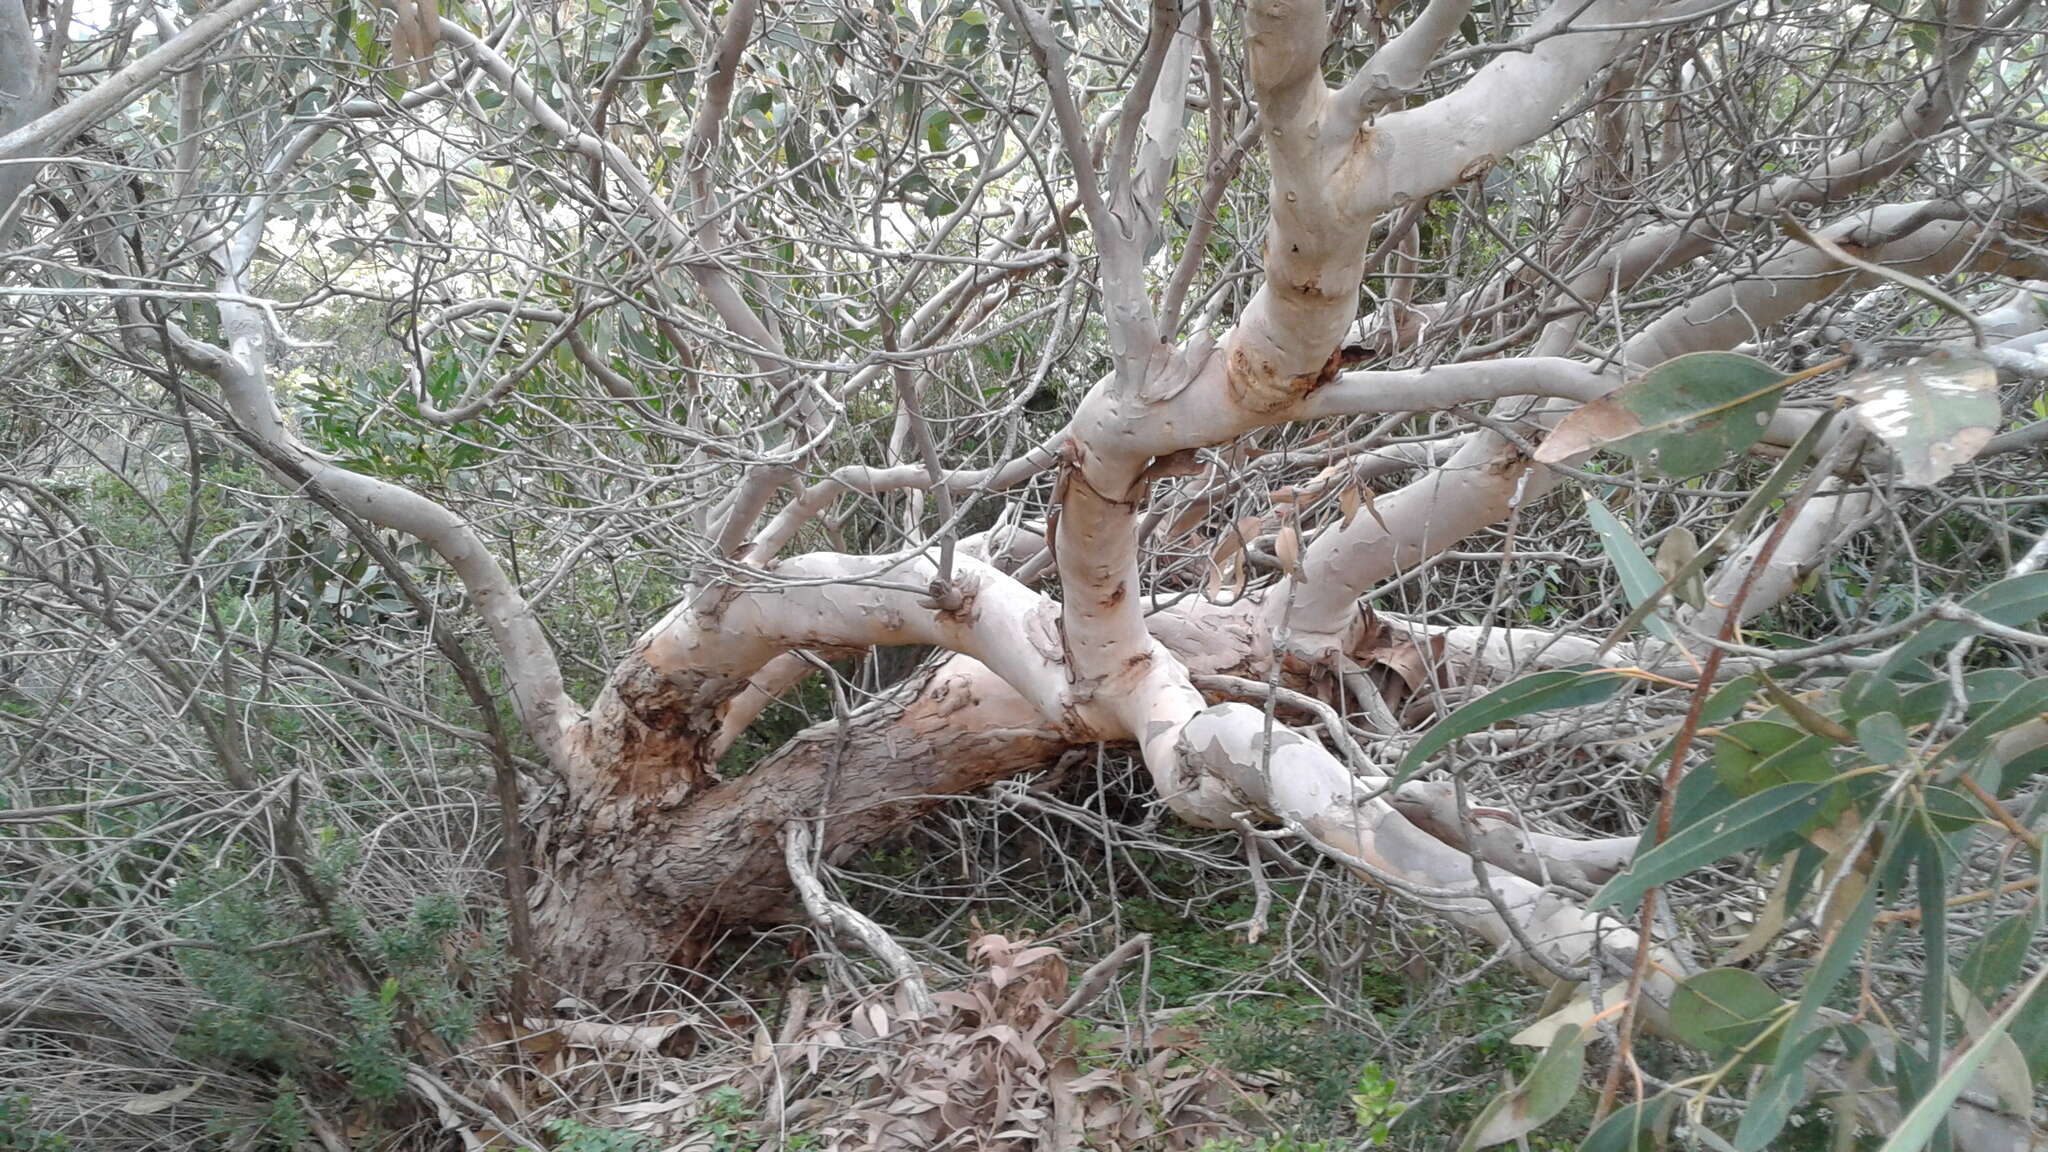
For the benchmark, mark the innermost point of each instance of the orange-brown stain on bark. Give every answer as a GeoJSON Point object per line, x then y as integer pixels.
{"type": "Point", "coordinates": [1258, 386]}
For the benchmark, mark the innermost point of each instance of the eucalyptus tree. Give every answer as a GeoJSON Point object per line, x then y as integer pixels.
{"type": "Point", "coordinates": [1147, 368]}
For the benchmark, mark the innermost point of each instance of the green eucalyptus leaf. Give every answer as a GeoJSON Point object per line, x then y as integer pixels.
{"type": "Point", "coordinates": [2030, 1034]}
{"type": "Point", "coordinates": [1728, 700]}
{"type": "Point", "coordinates": [1782, 1090]}
{"type": "Point", "coordinates": [1924, 703]}
{"type": "Point", "coordinates": [1918, 1126]}
{"type": "Point", "coordinates": [1550, 1086]}
{"type": "Point", "coordinates": [1632, 1127]}
{"type": "Point", "coordinates": [1700, 794]}
{"type": "Point", "coordinates": [2015, 602]}
{"type": "Point", "coordinates": [1933, 415]}
{"type": "Point", "coordinates": [2013, 771]}
{"type": "Point", "coordinates": [1683, 417]}
{"type": "Point", "coordinates": [2016, 706]}
{"type": "Point", "coordinates": [1751, 755]}
{"type": "Point", "coordinates": [1748, 823]}
{"type": "Point", "coordinates": [1541, 692]}
{"type": "Point", "coordinates": [1882, 738]}
{"type": "Point", "coordinates": [1835, 959]}
{"type": "Point", "coordinates": [1802, 867]}
{"type": "Point", "coordinates": [1867, 692]}
{"type": "Point", "coordinates": [1949, 810]}
{"type": "Point", "coordinates": [1639, 578]}
{"type": "Point", "coordinates": [1722, 1009]}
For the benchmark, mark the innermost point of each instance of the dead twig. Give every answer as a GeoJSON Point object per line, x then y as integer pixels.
{"type": "Point", "coordinates": [843, 920]}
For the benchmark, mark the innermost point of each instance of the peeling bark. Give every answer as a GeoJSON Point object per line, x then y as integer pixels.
{"type": "Point", "coordinates": [636, 881]}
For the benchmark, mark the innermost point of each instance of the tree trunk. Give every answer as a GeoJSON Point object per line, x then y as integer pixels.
{"type": "Point", "coordinates": [642, 868]}
{"type": "Point", "coordinates": [645, 854]}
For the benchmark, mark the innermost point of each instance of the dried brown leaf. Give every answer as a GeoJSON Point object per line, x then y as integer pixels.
{"type": "Point", "coordinates": [1287, 546]}
{"type": "Point", "coordinates": [155, 1102]}
{"type": "Point", "coordinates": [1602, 422]}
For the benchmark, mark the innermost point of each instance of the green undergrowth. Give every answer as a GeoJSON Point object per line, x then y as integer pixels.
{"type": "Point", "coordinates": [19, 1131]}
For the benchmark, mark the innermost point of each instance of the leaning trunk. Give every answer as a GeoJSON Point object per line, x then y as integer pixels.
{"type": "Point", "coordinates": [645, 860]}
{"type": "Point", "coordinates": [644, 853]}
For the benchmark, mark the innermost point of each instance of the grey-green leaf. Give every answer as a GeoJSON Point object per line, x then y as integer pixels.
{"type": "Point", "coordinates": [1752, 755]}
{"type": "Point", "coordinates": [1722, 1009]}
{"type": "Point", "coordinates": [1883, 739]}
{"type": "Point", "coordinates": [2014, 602]}
{"type": "Point", "coordinates": [1633, 1127]}
{"type": "Point", "coordinates": [1683, 417]}
{"type": "Point", "coordinates": [1550, 1086]}
{"type": "Point", "coordinates": [1559, 688]}
{"type": "Point", "coordinates": [1933, 415]}
{"type": "Point", "coordinates": [2022, 703]}
{"type": "Point", "coordinates": [1918, 1127]}
{"type": "Point", "coordinates": [1782, 1090]}
{"type": "Point", "coordinates": [1745, 824]}
{"type": "Point", "coordinates": [1639, 577]}
{"type": "Point", "coordinates": [1994, 961]}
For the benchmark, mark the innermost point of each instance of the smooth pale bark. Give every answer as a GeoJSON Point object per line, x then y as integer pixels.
{"type": "Point", "coordinates": [1821, 523]}
{"type": "Point", "coordinates": [1496, 837]}
{"type": "Point", "coordinates": [647, 850]}
{"type": "Point", "coordinates": [1795, 276]}
{"type": "Point", "coordinates": [23, 98]}
{"type": "Point", "coordinates": [1474, 488]}
{"type": "Point", "coordinates": [1296, 781]}
{"type": "Point", "coordinates": [1334, 173]}
{"type": "Point", "coordinates": [1152, 122]}
{"type": "Point", "coordinates": [1126, 683]}
{"type": "Point", "coordinates": [1487, 475]}
{"type": "Point", "coordinates": [760, 691]}
{"type": "Point", "coordinates": [660, 723]}
{"type": "Point", "coordinates": [1398, 67]}
{"type": "Point", "coordinates": [1491, 654]}
{"type": "Point", "coordinates": [835, 601]}
{"type": "Point", "coordinates": [1450, 385]}
{"type": "Point", "coordinates": [642, 866]}
{"type": "Point", "coordinates": [1145, 696]}
{"type": "Point", "coordinates": [1661, 247]}
{"type": "Point", "coordinates": [640, 878]}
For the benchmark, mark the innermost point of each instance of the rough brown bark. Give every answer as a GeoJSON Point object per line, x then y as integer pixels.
{"type": "Point", "coordinates": [641, 875]}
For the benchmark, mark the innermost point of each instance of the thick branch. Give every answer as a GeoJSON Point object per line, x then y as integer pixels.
{"type": "Point", "coordinates": [1487, 475]}
{"type": "Point", "coordinates": [1508, 103]}
{"type": "Point", "coordinates": [1661, 247]}
{"type": "Point", "coordinates": [1398, 67]}
{"type": "Point", "coordinates": [1295, 781]}
{"type": "Point", "coordinates": [637, 882]}
{"type": "Point", "coordinates": [831, 601]}
{"type": "Point", "coordinates": [50, 131]}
